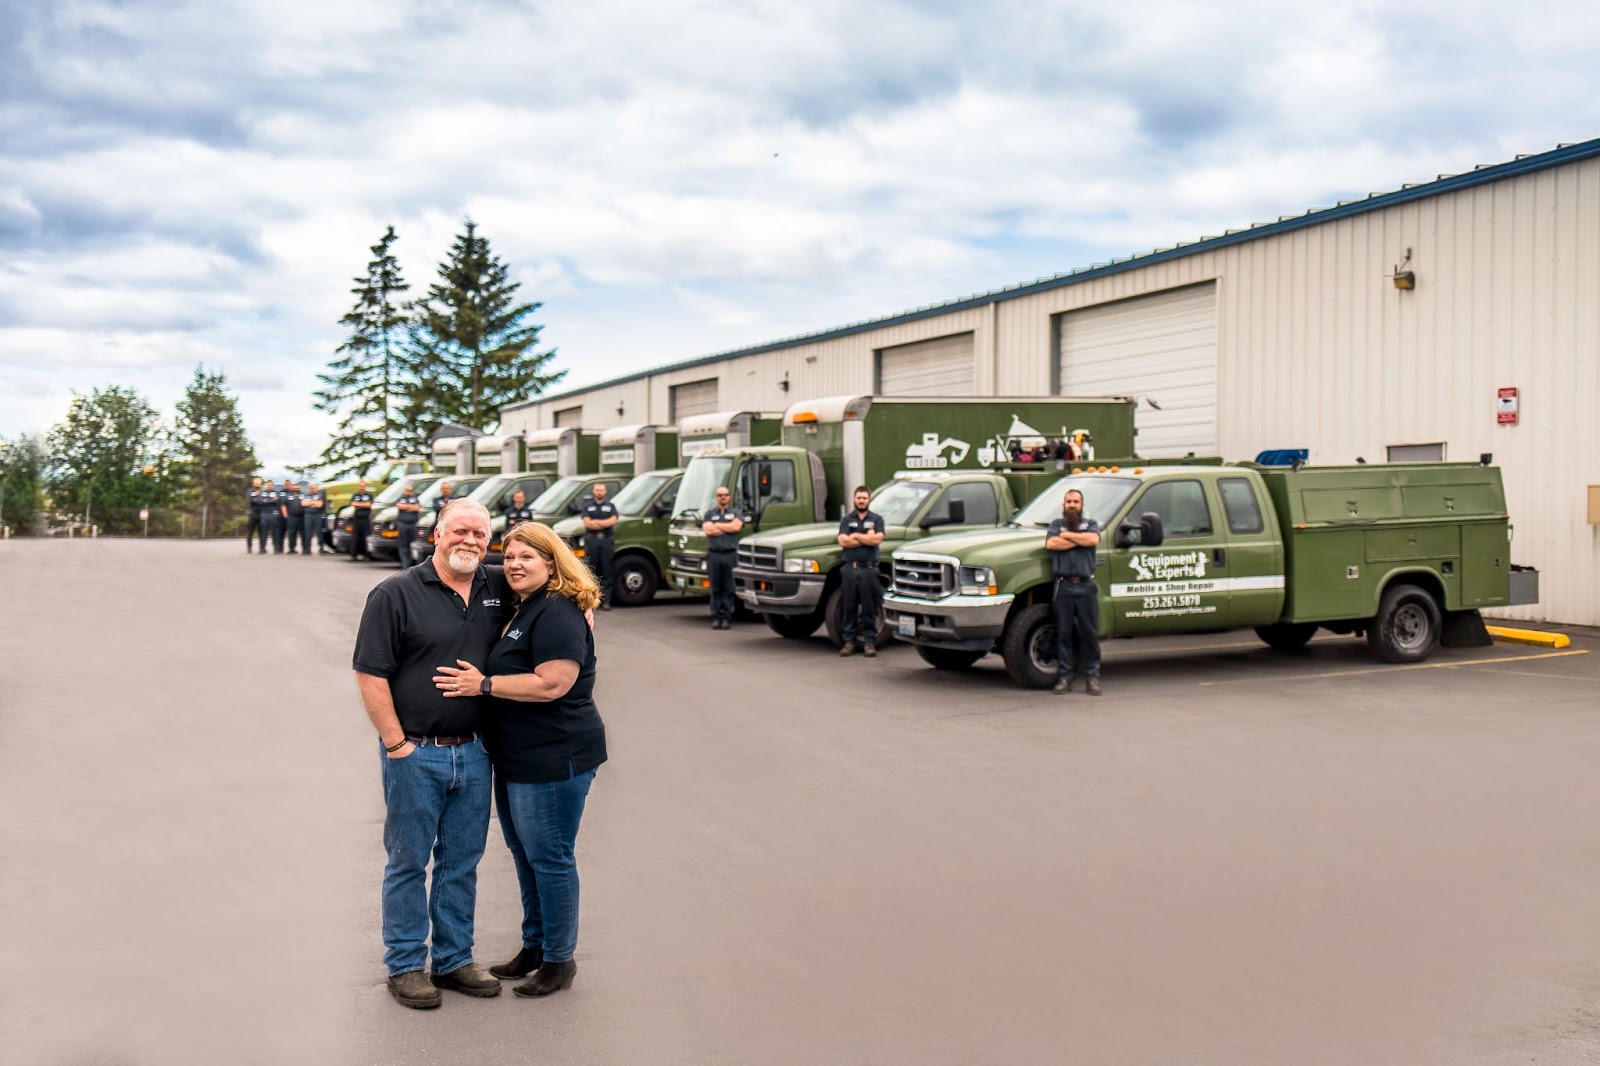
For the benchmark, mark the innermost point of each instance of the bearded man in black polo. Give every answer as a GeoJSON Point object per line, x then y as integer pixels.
{"type": "Point", "coordinates": [436, 776]}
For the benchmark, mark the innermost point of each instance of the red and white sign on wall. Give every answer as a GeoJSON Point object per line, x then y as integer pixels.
{"type": "Point", "coordinates": [1505, 407]}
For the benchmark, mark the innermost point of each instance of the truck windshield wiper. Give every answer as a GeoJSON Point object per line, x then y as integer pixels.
{"type": "Point", "coordinates": [688, 512]}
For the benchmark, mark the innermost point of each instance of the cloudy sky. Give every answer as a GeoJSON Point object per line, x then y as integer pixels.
{"type": "Point", "coordinates": [197, 182]}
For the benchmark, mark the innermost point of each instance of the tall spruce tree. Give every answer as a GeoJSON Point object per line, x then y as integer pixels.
{"type": "Point", "coordinates": [472, 344]}
{"type": "Point", "coordinates": [109, 457]}
{"type": "Point", "coordinates": [367, 381]}
{"type": "Point", "coordinates": [215, 458]}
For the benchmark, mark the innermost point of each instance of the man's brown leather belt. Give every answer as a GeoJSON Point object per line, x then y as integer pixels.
{"type": "Point", "coordinates": [442, 742]}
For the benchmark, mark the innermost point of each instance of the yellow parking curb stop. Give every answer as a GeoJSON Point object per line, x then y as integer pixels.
{"type": "Point", "coordinates": [1529, 636]}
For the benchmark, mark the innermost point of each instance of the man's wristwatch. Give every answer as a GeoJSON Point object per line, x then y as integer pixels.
{"type": "Point", "coordinates": [486, 688]}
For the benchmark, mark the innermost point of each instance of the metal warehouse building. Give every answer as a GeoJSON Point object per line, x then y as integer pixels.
{"type": "Point", "coordinates": [1440, 321]}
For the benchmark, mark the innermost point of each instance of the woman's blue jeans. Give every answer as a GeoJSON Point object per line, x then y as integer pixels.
{"type": "Point", "coordinates": [540, 823]}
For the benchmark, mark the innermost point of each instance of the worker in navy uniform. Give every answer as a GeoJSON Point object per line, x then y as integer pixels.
{"type": "Point", "coordinates": [722, 527]}
{"type": "Point", "coordinates": [252, 526]}
{"type": "Point", "coordinates": [271, 517]}
{"type": "Point", "coordinates": [860, 533]}
{"type": "Point", "coordinates": [361, 521]}
{"type": "Point", "coordinates": [312, 524]}
{"type": "Point", "coordinates": [1071, 541]}
{"type": "Point", "coordinates": [446, 494]}
{"type": "Point", "coordinates": [294, 514]}
{"type": "Point", "coordinates": [519, 511]}
{"type": "Point", "coordinates": [408, 512]}
{"type": "Point", "coordinates": [599, 520]}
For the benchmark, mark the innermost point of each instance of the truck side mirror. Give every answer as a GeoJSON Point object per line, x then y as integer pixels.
{"type": "Point", "coordinates": [954, 513]}
{"type": "Point", "coordinates": [575, 506]}
{"type": "Point", "coordinates": [764, 478]}
{"type": "Point", "coordinates": [1152, 529]}
{"type": "Point", "coordinates": [1128, 535]}
{"type": "Point", "coordinates": [958, 513]}
{"type": "Point", "coordinates": [663, 508]}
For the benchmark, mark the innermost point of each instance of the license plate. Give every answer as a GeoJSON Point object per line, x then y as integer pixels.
{"type": "Point", "coordinates": [748, 596]}
{"type": "Point", "coordinates": [907, 626]}
{"type": "Point", "coordinates": [683, 583]}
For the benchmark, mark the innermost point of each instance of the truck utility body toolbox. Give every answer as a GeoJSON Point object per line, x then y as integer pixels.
{"type": "Point", "coordinates": [1406, 553]}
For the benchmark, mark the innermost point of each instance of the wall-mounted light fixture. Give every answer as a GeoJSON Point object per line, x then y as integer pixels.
{"type": "Point", "coordinates": [1403, 278]}
{"type": "Point", "coordinates": [619, 410]}
{"type": "Point", "coordinates": [784, 384]}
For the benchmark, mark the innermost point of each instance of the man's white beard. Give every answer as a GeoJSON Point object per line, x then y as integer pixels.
{"type": "Point", "coordinates": [463, 561]}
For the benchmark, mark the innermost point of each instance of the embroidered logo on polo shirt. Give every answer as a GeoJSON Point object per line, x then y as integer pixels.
{"type": "Point", "coordinates": [515, 634]}
{"type": "Point", "coordinates": [491, 603]}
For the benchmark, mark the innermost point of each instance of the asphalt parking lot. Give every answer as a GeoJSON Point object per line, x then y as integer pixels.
{"type": "Point", "coordinates": [1232, 857]}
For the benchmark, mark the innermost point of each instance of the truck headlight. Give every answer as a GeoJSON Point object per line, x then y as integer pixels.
{"type": "Point", "coordinates": [977, 581]}
{"type": "Point", "coordinates": [801, 566]}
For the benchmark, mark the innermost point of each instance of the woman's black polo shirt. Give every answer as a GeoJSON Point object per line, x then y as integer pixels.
{"type": "Point", "coordinates": [415, 623]}
{"type": "Point", "coordinates": [536, 743]}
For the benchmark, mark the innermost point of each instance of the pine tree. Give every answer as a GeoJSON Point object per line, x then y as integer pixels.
{"type": "Point", "coordinates": [215, 459]}
{"type": "Point", "coordinates": [366, 382]}
{"type": "Point", "coordinates": [109, 457]}
{"type": "Point", "coordinates": [472, 343]}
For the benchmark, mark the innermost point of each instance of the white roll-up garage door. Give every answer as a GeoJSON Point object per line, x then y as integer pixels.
{"type": "Point", "coordinates": [939, 367]}
{"type": "Point", "coordinates": [1161, 347]}
{"type": "Point", "coordinates": [694, 398]}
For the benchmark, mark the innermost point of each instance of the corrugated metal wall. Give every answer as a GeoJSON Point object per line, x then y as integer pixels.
{"type": "Point", "coordinates": [1317, 348]}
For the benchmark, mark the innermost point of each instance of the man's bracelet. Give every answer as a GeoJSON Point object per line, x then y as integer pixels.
{"type": "Point", "coordinates": [392, 748]}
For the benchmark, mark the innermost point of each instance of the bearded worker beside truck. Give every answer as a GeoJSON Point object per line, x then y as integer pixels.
{"type": "Point", "coordinates": [1071, 541]}
{"type": "Point", "coordinates": [860, 533]}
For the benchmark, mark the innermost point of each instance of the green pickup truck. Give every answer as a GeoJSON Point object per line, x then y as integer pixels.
{"type": "Point", "coordinates": [792, 577]}
{"type": "Point", "coordinates": [1404, 553]}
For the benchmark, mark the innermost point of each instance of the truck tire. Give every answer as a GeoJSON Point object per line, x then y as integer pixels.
{"type": "Point", "coordinates": [1028, 646]}
{"type": "Point", "coordinates": [1407, 626]}
{"type": "Point", "coordinates": [793, 626]}
{"type": "Point", "coordinates": [949, 658]}
{"type": "Point", "coordinates": [634, 582]}
{"type": "Point", "coordinates": [1287, 637]}
{"type": "Point", "coordinates": [836, 607]}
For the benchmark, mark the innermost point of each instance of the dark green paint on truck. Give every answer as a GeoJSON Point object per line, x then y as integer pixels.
{"type": "Point", "coordinates": [1404, 553]}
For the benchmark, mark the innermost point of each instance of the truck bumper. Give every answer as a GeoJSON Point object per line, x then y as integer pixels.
{"type": "Point", "coordinates": [383, 547]}
{"type": "Point", "coordinates": [774, 593]}
{"type": "Point", "coordinates": [968, 623]}
{"type": "Point", "coordinates": [688, 573]}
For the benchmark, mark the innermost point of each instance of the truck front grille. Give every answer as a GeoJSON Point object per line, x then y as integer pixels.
{"type": "Point", "coordinates": [924, 580]}
{"type": "Point", "coordinates": [760, 556]}
{"type": "Point", "coordinates": [693, 564]}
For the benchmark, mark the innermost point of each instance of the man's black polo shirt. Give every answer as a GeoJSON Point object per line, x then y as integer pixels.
{"type": "Point", "coordinates": [599, 512]}
{"type": "Point", "coordinates": [415, 623]}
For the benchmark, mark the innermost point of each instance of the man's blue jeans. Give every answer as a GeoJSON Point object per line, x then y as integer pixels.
{"type": "Point", "coordinates": [540, 823]}
{"type": "Point", "coordinates": [437, 803]}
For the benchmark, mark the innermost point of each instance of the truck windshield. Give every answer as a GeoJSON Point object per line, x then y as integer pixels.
{"type": "Point", "coordinates": [379, 471]}
{"type": "Point", "coordinates": [636, 495]}
{"type": "Point", "coordinates": [897, 501]}
{"type": "Point", "coordinates": [489, 492]}
{"type": "Point", "coordinates": [701, 480]}
{"type": "Point", "coordinates": [1102, 496]}
{"type": "Point", "coordinates": [459, 487]}
{"type": "Point", "coordinates": [393, 492]}
{"type": "Point", "coordinates": [554, 499]}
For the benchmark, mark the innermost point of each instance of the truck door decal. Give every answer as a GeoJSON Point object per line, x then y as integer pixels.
{"type": "Point", "coordinates": [1169, 584]}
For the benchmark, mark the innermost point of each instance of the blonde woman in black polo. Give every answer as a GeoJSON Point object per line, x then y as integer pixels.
{"type": "Point", "coordinates": [546, 739]}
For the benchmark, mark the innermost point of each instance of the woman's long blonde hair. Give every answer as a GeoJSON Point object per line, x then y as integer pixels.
{"type": "Point", "coordinates": [568, 576]}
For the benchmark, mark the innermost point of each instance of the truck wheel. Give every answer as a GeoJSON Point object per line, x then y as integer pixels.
{"type": "Point", "coordinates": [1407, 626]}
{"type": "Point", "coordinates": [835, 611]}
{"type": "Point", "coordinates": [949, 658]}
{"type": "Point", "coordinates": [793, 626]}
{"type": "Point", "coordinates": [1028, 646]}
{"type": "Point", "coordinates": [633, 583]}
{"type": "Point", "coordinates": [1287, 637]}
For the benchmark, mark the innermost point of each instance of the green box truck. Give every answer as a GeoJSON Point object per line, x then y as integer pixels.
{"type": "Point", "coordinates": [1405, 553]}
{"type": "Point", "coordinates": [829, 446]}
{"type": "Point", "coordinates": [545, 455]}
{"type": "Point", "coordinates": [647, 456]}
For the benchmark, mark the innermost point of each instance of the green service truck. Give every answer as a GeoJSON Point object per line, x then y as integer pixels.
{"type": "Point", "coordinates": [542, 454]}
{"type": "Point", "coordinates": [455, 455]}
{"type": "Point", "coordinates": [792, 576]}
{"type": "Point", "coordinates": [645, 455]}
{"type": "Point", "coordinates": [500, 453]}
{"type": "Point", "coordinates": [379, 476]}
{"type": "Point", "coordinates": [829, 446]}
{"type": "Point", "coordinates": [1405, 553]}
{"type": "Point", "coordinates": [710, 438]}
